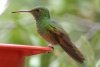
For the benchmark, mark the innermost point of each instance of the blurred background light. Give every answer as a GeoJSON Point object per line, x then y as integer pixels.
{"type": "Point", "coordinates": [3, 6]}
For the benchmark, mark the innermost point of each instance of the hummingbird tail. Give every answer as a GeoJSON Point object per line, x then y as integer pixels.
{"type": "Point", "coordinates": [72, 50]}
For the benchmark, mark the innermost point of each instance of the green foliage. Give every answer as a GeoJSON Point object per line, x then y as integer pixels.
{"type": "Point", "coordinates": [80, 18]}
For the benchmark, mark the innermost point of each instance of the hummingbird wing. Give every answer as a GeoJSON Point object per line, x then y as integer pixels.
{"type": "Point", "coordinates": [64, 41]}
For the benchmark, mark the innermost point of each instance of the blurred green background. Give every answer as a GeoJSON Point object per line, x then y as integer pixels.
{"type": "Point", "coordinates": [80, 18]}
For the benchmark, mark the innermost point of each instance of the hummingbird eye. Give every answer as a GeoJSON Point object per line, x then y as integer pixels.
{"type": "Point", "coordinates": [37, 10]}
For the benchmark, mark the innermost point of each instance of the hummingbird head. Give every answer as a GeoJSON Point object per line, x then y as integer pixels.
{"type": "Point", "coordinates": [38, 12]}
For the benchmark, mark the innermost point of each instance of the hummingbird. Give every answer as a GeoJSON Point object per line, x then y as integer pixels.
{"type": "Point", "coordinates": [53, 33]}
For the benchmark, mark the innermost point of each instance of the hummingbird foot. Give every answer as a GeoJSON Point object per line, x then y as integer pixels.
{"type": "Point", "coordinates": [50, 46]}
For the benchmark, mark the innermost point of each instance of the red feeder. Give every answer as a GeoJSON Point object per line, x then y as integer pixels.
{"type": "Point", "coordinates": [12, 55]}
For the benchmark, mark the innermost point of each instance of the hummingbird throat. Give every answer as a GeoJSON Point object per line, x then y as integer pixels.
{"type": "Point", "coordinates": [40, 19]}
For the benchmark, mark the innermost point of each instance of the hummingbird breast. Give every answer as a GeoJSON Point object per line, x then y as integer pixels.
{"type": "Point", "coordinates": [47, 36]}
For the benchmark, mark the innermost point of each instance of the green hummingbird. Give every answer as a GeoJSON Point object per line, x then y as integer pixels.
{"type": "Point", "coordinates": [54, 33]}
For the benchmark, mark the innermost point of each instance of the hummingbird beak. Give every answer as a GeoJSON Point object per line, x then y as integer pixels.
{"type": "Point", "coordinates": [22, 11]}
